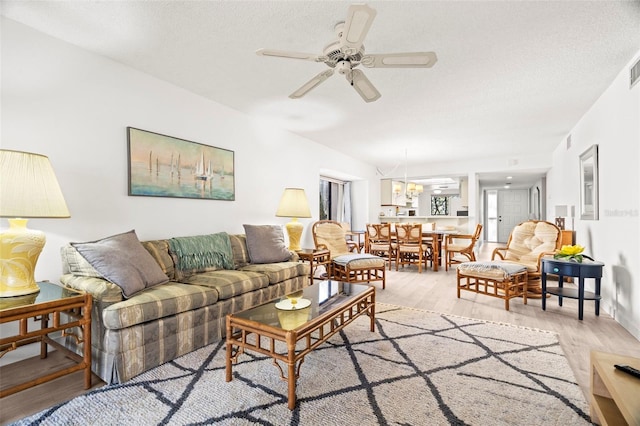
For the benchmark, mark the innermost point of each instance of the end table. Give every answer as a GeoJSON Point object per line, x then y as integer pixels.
{"type": "Point", "coordinates": [58, 309]}
{"type": "Point", "coordinates": [564, 268]}
{"type": "Point", "coordinates": [315, 257]}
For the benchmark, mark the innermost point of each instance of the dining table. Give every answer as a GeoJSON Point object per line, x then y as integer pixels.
{"type": "Point", "coordinates": [435, 236]}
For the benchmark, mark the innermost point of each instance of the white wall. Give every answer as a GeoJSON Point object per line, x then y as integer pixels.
{"type": "Point", "coordinates": [74, 106]}
{"type": "Point", "coordinates": [613, 123]}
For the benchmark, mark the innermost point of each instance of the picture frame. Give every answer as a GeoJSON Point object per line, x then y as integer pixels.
{"type": "Point", "coordinates": [166, 166]}
{"type": "Point", "coordinates": [589, 206]}
{"type": "Point", "coordinates": [439, 205]}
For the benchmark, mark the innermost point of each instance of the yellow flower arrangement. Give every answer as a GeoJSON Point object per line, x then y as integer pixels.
{"type": "Point", "coordinates": [570, 253]}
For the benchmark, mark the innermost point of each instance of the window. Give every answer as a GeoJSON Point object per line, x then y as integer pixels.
{"type": "Point", "coordinates": [335, 200]}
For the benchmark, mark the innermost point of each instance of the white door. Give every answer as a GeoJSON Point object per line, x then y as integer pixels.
{"type": "Point", "coordinates": [513, 208]}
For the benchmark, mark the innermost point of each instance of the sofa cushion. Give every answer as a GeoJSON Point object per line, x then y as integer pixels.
{"type": "Point", "coordinates": [278, 272]}
{"type": "Point", "coordinates": [122, 260]}
{"type": "Point", "coordinates": [157, 302]}
{"type": "Point", "coordinates": [159, 250]}
{"type": "Point", "coordinates": [239, 248]}
{"type": "Point", "coordinates": [230, 283]}
{"type": "Point", "coordinates": [200, 253]}
{"type": "Point", "coordinates": [101, 290]}
{"type": "Point", "coordinates": [74, 263]}
{"type": "Point", "coordinates": [265, 244]}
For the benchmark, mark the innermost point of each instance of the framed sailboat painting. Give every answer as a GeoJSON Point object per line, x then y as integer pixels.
{"type": "Point", "coordinates": [165, 166]}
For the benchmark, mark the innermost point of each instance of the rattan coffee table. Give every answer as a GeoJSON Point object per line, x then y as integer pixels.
{"type": "Point", "coordinates": [325, 308]}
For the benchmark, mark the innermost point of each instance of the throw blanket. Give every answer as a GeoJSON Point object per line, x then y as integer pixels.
{"type": "Point", "coordinates": [508, 268]}
{"type": "Point", "coordinates": [203, 251]}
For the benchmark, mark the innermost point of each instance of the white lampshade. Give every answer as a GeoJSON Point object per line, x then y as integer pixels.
{"type": "Point", "coordinates": [293, 204]}
{"type": "Point", "coordinates": [561, 211]}
{"type": "Point", "coordinates": [28, 187]}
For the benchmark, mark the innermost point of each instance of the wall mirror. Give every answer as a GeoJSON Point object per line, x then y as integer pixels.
{"type": "Point", "coordinates": [589, 184]}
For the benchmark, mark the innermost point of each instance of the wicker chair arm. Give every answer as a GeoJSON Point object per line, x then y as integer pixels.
{"type": "Point", "coordinates": [353, 246]}
{"type": "Point", "coordinates": [450, 239]}
{"type": "Point", "coordinates": [500, 252]}
{"type": "Point", "coordinates": [540, 256]}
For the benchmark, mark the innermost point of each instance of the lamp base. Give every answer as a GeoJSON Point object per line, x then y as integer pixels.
{"type": "Point", "coordinates": [294, 230]}
{"type": "Point", "coordinates": [19, 251]}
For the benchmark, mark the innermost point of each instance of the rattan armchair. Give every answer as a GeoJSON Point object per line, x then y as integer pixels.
{"type": "Point", "coordinates": [527, 244]}
{"type": "Point", "coordinates": [346, 265]}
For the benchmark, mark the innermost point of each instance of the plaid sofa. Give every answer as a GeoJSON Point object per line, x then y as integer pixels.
{"type": "Point", "coordinates": [130, 336]}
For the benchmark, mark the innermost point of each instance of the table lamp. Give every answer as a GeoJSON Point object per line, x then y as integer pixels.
{"type": "Point", "coordinates": [294, 204]}
{"type": "Point", "coordinates": [561, 213]}
{"type": "Point", "coordinates": [28, 189]}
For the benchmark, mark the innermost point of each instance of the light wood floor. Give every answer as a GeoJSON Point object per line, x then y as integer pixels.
{"type": "Point", "coordinates": [428, 290]}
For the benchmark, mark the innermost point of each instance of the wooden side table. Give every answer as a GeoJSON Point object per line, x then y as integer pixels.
{"type": "Point", "coordinates": [58, 309]}
{"type": "Point", "coordinates": [563, 268]}
{"type": "Point", "coordinates": [315, 257]}
{"type": "Point", "coordinates": [614, 394]}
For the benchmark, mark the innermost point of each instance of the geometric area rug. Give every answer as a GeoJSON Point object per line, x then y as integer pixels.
{"type": "Point", "coordinates": [417, 368]}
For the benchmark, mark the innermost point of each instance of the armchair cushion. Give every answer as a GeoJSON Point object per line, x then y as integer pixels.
{"type": "Point", "coordinates": [359, 261]}
{"type": "Point", "coordinates": [491, 270]}
{"type": "Point", "coordinates": [531, 239]}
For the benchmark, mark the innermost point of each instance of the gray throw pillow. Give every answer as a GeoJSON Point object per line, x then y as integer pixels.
{"type": "Point", "coordinates": [265, 244]}
{"type": "Point", "coordinates": [122, 260]}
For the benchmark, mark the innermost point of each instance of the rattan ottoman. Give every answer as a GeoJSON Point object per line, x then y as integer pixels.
{"type": "Point", "coordinates": [503, 280]}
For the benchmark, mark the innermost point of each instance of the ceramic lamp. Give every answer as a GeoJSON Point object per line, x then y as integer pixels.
{"type": "Point", "coordinates": [294, 204]}
{"type": "Point", "coordinates": [28, 189]}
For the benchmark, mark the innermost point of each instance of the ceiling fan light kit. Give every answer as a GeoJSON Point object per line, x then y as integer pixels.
{"type": "Point", "coordinates": [346, 53]}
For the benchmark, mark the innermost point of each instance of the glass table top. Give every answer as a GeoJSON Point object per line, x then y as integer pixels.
{"type": "Point", "coordinates": [48, 292]}
{"type": "Point", "coordinates": [314, 301]}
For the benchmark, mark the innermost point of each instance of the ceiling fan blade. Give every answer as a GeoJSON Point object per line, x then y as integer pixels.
{"type": "Point", "coordinates": [400, 60]}
{"type": "Point", "coordinates": [359, 20]}
{"type": "Point", "coordinates": [290, 55]}
{"type": "Point", "coordinates": [312, 84]}
{"type": "Point", "coordinates": [363, 86]}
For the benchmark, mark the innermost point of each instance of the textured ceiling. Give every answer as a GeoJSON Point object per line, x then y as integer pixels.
{"type": "Point", "coordinates": [512, 77]}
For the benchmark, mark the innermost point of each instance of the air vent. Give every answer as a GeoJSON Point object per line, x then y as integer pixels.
{"type": "Point", "coordinates": [635, 73]}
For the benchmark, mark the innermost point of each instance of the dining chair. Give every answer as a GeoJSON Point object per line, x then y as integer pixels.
{"type": "Point", "coordinates": [379, 241]}
{"type": "Point", "coordinates": [461, 245]}
{"type": "Point", "coordinates": [410, 248]}
{"type": "Point", "coordinates": [430, 243]}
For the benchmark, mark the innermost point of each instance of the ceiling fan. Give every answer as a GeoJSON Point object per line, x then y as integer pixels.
{"type": "Point", "coordinates": [347, 52]}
